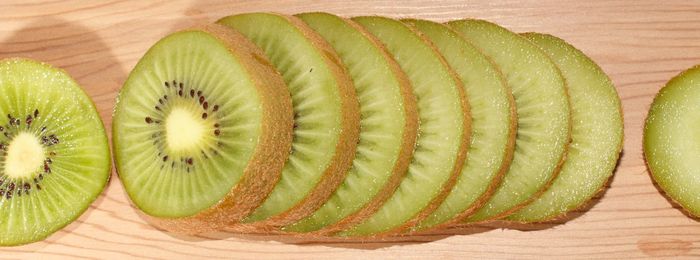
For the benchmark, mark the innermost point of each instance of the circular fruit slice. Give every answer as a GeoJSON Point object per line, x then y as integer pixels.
{"type": "Point", "coordinates": [544, 119]}
{"type": "Point", "coordinates": [388, 126]}
{"type": "Point", "coordinates": [54, 158]}
{"type": "Point", "coordinates": [201, 129]}
{"type": "Point", "coordinates": [326, 113]}
{"type": "Point", "coordinates": [494, 122]}
{"type": "Point", "coordinates": [671, 142]}
{"type": "Point", "coordinates": [443, 134]}
{"type": "Point", "coordinates": [596, 133]}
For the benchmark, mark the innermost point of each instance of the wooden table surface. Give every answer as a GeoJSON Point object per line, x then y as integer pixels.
{"type": "Point", "coordinates": [640, 44]}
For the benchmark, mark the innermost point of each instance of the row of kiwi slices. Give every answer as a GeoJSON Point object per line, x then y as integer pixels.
{"type": "Point", "coordinates": [321, 125]}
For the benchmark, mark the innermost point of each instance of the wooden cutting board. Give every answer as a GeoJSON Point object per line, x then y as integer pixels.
{"type": "Point", "coordinates": [640, 44]}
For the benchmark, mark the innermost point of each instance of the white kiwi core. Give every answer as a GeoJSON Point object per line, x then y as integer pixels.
{"type": "Point", "coordinates": [184, 130]}
{"type": "Point", "coordinates": [25, 156]}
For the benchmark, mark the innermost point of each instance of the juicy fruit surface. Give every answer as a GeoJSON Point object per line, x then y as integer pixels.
{"type": "Point", "coordinates": [493, 123]}
{"type": "Point", "coordinates": [318, 104]}
{"type": "Point", "coordinates": [443, 133]}
{"type": "Point", "coordinates": [388, 121]}
{"type": "Point", "coordinates": [543, 114]}
{"type": "Point", "coordinates": [187, 81]}
{"type": "Point", "coordinates": [56, 158]}
{"type": "Point", "coordinates": [597, 133]}
{"type": "Point", "coordinates": [671, 141]}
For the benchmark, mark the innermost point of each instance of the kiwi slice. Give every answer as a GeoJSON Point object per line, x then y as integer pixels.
{"type": "Point", "coordinates": [544, 119]}
{"type": "Point", "coordinates": [54, 155]}
{"type": "Point", "coordinates": [671, 143]}
{"type": "Point", "coordinates": [494, 123]}
{"type": "Point", "coordinates": [201, 129]}
{"type": "Point", "coordinates": [388, 125]}
{"type": "Point", "coordinates": [326, 115]}
{"type": "Point", "coordinates": [597, 133]}
{"type": "Point", "coordinates": [443, 134]}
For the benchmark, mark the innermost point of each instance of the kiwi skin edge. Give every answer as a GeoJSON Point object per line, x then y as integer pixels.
{"type": "Point", "coordinates": [263, 170]}
{"type": "Point", "coordinates": [508, 157]}
{"type": "Point", "coordinates": [461, 156]}
{"type": "Point", "coordinates": [564, 215]}
{"type": "Point", "coordinates": [559, 164]}
{"type": "Point", "coordinates": [341, 162]}
{"type": "Point", "coordinates": [408, 141]}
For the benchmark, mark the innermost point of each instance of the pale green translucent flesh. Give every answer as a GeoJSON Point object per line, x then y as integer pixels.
{"type": "Point", "coordinates": [672, 139]}
{"type": "Point", "coordinates": [441, 126]}
{"type": "Point", "coordinates": [81, 166]}
{"type": "Point", "coordinates": [198, 60]}
{"type": "Point", "coordinates": [596, 133]}
{"type": "Point", "coordinates": [490, 105]}
{"type": "Point", "coordinates": [543, 113]}
{"type": "Point", "coordinates": [383, 117]}
{"type": "Point", "coordinates": [316, 103]}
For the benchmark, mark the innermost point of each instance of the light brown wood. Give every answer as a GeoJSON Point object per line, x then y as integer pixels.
{"type": "Point", "coordinates": [640, 44]}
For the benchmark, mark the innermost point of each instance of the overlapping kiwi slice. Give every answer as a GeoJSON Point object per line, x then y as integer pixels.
{"type": "Point", "coordinates": [597, 133]}
{"type": "Point", "coordinates": [54, 155]}
{"type": "Point", "coordinates": [671, 141]}
{"type": "Point", "coordinates": [201, 129]}
{"type": "Point", "coordinates": [326, 115]}
{"type": "Point", "coordinates": [493, 125]}
{"type": "Point", "coordinates": [443, 134]}
{"type": "Point", "coordinates": [388, 123]}
{"type": "Point", "coordinates": [544, 119]}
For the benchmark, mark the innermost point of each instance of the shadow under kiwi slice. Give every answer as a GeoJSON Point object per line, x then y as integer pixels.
{"type": "Point", "coordinates": [201, 130]}
{"type": "Point", "coordinates": [54, 155]}
{"type": "Point", "coordinates": [326, 116]}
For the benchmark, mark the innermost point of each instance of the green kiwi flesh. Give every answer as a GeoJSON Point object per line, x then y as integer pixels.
{"type": "Point", "coordinates": [326, 115]}
{"type": "Point", "coordinates": [201, 129]}
{"type": "Point", "coordinates": [597, 133]}
{"type": "Point", "coordinates": [493, 124]}
{"type": "Point", "coordinates": [443, 134]}
{"type": "Point", "coordinates": [542, 105]}
{"type": "Point", "coordinates": [55, 158]}
{"type": "Point", "coordinates": [671, 141]}
{"type": "Point", "coordinates": [388, 124]}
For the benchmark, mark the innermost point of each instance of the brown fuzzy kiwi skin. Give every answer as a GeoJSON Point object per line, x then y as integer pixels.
{"type": "Point", "coordinates": [461, 154]}
{"type": "Point", "coordinates": [341, 162]}
{"type": "Point", "coordinates": [507, 157]}
{"type": "Point", "coordinates": [564, 215]}
{"type": "Point", "coordinates": [264, 168]}
{"type": "Point", "coordinates": [407, 145]}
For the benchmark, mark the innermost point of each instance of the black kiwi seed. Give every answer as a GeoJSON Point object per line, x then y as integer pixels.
{"type": "Point", "coordinates": [167, 85]}
{"type": "Point", "coordinates": [189, 161]}
{"type": "Point", "coordinates": [201, 99]}
{"type": "Point", "coordinates": [205, 105]}
{"type": "Point", "coordinates": [191, 92]}
{"type": "Point", "coordinates": [204, 115]}
{"type": "Point", "coordinates": [29, 120]}
{"type": "Point", "coordinates": [199, 93]}
{"type": "Point", "coordinates": [216, 108]}
{"type": "Point", "coordinates": [149, 120]}
{"type": "Point", "coordinates": [36, 113]}
{"type": "Point", "coordinates": [217, 132]}
{"type": "Point", "coordinates": [165, 158]}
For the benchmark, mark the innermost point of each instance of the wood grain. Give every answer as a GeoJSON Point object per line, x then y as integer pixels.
{"type": "Point", "coordinates": [641, 44]}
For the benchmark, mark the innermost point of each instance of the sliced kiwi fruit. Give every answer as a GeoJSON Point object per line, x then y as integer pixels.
{"type": "Point", "coordinates": [201, 129]}
{"type": "Point", "coordinates": [443, 134]}
{"type": "Point", "coordinates": [54, 155]}
{"type": "Point", "coordinates": [671, 141]}
{"type": "Point", "coordinates": [326, 115]}
{"type": "Point", "coordinates": [494, 124]}
{"type": "Point", "coordinates": [388, 125]}
{"type": "Point", "coordinates": [544, 119]}
{"type": "Point", "coordinates": [596, 135]}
